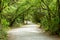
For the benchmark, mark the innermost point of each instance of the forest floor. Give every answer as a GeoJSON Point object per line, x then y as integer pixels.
{"type": "Point", "coordinates": [29, 32]}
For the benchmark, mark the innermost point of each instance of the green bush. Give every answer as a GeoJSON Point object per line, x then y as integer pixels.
{"type": "Point", "coordinates": [51, 26]}
{"type": "Point", "coordinates": [3, 35]}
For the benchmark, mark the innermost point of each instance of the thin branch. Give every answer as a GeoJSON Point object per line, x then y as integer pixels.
{"type": "Point", "coordinates": [19, 15]}
{"type": "Point", "coordinates": [48, 7]}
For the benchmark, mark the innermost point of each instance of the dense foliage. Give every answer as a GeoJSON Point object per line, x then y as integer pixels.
{"type": "Point", "coordinates": [50, 22]}
{"type": "Point", "coordinates": [45, 12]}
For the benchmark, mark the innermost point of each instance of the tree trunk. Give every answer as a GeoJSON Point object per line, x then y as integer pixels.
{"type": "Point", "coordinates": [1, 8]}
{"type": "Point", "coordinates": [58, 2]}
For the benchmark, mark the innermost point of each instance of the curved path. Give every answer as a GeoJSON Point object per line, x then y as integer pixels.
{"type": "Point", "coordinates": [29, 32]}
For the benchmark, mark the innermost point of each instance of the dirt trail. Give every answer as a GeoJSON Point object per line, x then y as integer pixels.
{"type": "Point", "coordinates": [29, 32]}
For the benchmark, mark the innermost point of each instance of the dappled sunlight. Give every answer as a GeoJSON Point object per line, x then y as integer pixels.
{"type": "Point", "coordinates": [29, 19]}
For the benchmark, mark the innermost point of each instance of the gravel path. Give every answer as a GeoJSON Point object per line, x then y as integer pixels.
{"type": "Point", "coordinates": [29, 32]}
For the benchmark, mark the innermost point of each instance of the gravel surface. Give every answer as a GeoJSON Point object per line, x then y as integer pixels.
{"type": "Point", "coordinates": [29, 32]}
